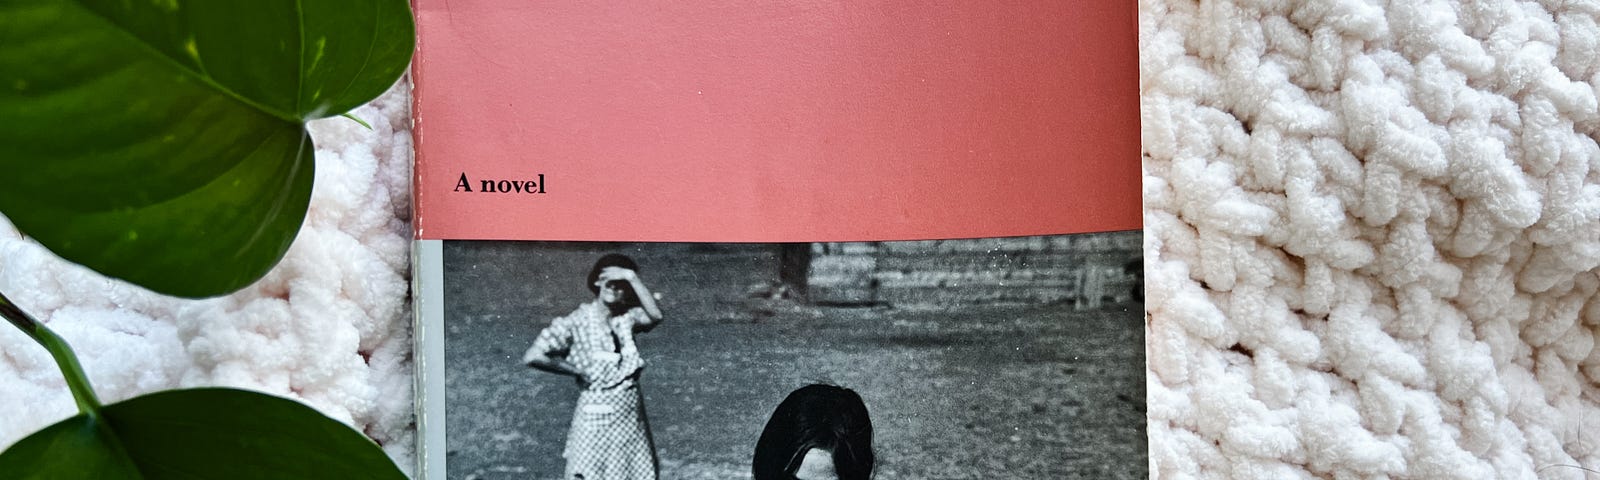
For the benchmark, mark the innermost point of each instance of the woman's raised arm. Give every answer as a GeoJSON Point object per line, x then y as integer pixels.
{"type": "Point", "coordinates": [647, 299]}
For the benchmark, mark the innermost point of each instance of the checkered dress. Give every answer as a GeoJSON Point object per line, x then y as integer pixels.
{"type": "Point", "coordinates": [609, 439]}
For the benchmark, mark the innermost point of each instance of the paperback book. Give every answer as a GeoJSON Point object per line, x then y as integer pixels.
{"type": "Point", "coordinates": [721, 240]}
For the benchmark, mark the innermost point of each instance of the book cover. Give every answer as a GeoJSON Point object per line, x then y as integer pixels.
{"type": "Point", "coordinates": [653, 237]}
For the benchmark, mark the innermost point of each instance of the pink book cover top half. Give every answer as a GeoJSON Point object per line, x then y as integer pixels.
{"type": "Point", "coordinates": [733, 121]}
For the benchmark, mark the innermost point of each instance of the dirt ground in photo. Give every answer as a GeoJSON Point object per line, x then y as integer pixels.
{"type": "Point", "coordinates": [1037, 392]}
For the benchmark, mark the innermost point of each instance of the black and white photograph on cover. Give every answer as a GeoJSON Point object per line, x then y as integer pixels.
{"type": "Point", "coordinates": [992, 358]}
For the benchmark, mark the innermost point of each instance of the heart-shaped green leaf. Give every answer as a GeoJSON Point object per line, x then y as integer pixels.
{"type": "Point", "coordinates": [163, 141]}
{"type": "Point", "coordinates": [199, 434]}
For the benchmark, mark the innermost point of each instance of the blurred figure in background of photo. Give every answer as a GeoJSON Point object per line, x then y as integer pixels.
{"type": "Point", "coordinates": [819, 432]}
{"type": "Point", "coordinates": [609, 438]}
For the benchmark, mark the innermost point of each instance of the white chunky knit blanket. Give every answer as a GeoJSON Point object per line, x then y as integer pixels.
{"type": "Point", "coordinates": [330, 326]}
{"type": "Point", "coordinates": [1372, 238]}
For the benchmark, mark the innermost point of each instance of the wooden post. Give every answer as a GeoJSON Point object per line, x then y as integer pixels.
{"type": "Point", "coordinates": [794, 267]}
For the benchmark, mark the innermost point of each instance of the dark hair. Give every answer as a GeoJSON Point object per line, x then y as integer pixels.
{"type": "Point", "coordinates": [828, 417]}
{"type": "Point", "coordinates": [609, 260]}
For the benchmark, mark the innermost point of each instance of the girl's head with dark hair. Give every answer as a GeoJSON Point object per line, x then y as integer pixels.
{"type": "Point", "coordinates": [609, 260]}
{"type": "Point", "coordinates": [816, 422]}
{"type": "Point", "coordinates": [619, 295]}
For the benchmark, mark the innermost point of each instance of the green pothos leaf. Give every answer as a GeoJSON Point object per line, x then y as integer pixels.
{"type": "Point", "coordinates": [208, 433]}
{"type": "Point", "coordinates": [163, 141]}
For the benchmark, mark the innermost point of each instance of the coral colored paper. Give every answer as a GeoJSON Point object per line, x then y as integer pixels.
{"type": "Point", "coordinates": [775, 121]}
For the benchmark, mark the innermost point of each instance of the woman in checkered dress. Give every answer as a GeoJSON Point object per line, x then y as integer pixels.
{"type": "Point", "coordinates": [609, 438]}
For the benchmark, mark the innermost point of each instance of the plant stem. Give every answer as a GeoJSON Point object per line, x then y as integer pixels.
{"type": "Point", "coordinates": [77, 382]}
{"type": "Point", "coordinates": [357, 120]}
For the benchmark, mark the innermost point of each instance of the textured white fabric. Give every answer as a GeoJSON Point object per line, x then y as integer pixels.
{"type": "Point", "coordinates": [329, 326]}
{"type": "Point", "coordinates": [1373, 229]}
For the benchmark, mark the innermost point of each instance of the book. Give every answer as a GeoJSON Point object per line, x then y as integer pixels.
{"type": "Point", "coordinates": [931, 211]}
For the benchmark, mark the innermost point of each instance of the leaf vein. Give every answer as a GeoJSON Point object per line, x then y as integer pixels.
{"type": "Point", "coordinates": [179, 66]}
